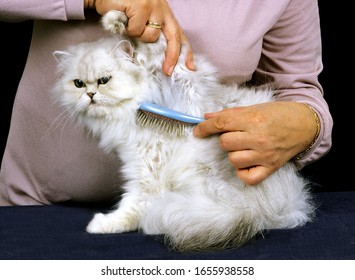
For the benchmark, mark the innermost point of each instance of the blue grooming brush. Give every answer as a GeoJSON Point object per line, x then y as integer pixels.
{"type": "Point", "coordinates": [168, 113]}
{"type": "Point", "coordinates": [166, 120]}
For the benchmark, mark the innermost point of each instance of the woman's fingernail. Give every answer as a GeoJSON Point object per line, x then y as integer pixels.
{"type": "Point", "coordinates": [171, 70]}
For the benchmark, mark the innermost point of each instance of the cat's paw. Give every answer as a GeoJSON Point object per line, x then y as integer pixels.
{"type": "Point", "coordinates": [101, 223]}
{"type": "Point", "coordinates": [110, 223]}
{"type": "Point", "coordinates": [115, 21]}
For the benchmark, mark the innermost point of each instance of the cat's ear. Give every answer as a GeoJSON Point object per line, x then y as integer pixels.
{"type": "Point", "coordinates": [124, 47]}
{"type": "Point", "coordinates": [61, 55]}
{"type": "Point", "coordinates": [62, 58]}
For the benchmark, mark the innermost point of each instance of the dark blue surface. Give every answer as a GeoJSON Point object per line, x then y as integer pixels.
{"type": "Point", "coordinates": [58, 232]}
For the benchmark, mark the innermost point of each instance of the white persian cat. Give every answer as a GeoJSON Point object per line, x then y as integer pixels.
{"type": "Point", "coordinates": [178, 186]}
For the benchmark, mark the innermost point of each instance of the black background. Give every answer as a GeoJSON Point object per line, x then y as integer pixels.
{"type": "Point", "coordinates": [331, 173]}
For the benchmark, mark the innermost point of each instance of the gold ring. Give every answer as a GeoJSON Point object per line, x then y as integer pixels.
{"type": "Point", "coordinates": [154, 25]}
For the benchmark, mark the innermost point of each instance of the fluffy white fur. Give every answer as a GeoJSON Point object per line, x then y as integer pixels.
{"type": "Point", "coordinates": [181, 187]}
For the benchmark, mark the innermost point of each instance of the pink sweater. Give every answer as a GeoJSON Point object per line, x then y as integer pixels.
{"type": "Point", "coordinates": [49, 160]}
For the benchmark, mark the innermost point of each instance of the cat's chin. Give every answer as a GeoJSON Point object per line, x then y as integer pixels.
{"type": "Point", "coordinates": [97, 110]}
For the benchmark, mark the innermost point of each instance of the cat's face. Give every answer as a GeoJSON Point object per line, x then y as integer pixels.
{"type": "Point", "coordinates": [96, 79]}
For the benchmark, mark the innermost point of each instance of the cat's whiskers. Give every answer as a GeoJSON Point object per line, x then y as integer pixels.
{"type": "Point", "coordinates": [69, 117]}
{"type": "Point", "coordinates": [56, 123]}
{"type": "Point", "coordinates": [106, 101]}
{"type": "Point", "coordinates": [60, 121]}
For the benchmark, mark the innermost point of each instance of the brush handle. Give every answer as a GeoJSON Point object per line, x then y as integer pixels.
{"type": "Point", "coordinates": [166, 112]}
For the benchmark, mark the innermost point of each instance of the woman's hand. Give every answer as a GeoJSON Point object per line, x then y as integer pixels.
{"type": "Point", "coordinates": [139, 12]}
{"type": "Point", "coordinates": [261, 138]}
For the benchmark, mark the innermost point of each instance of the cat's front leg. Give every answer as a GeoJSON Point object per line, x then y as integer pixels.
{"type": "Point", "coordinates": [125, 218]}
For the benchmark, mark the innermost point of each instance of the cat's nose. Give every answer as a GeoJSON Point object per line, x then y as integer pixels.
{"type": "Point", "coordinates": [91, 94]}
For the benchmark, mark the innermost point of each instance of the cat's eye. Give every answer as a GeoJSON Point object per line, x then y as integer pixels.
{"type": "Point", "coordinates": [79, 83]}
{"type": "Point", "coordinates": [103, 80]}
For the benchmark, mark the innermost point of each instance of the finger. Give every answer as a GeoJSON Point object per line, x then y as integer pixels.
{"type": "Point", "coordinates": [229, 119]}
{"type": "Point", "coordinates": [235, 141]}
{"type": "Point", "coordinates": [137, 20]}
{"type": "Point", "coordinates": [244, 159]}
{"type": "Point", "coordinates": [254, 175]}
{"type": "Point", "coordinates": [251, 166]}
{"type": "Point", "coordinates": [189, 60]}
{"type": "Point", "coordinates": [216, 124]}
{"type": "Point", "coordinates": [173, 49]}
{"type": "Point", "coordinates": [151, 31]}
{"type": "Point", "coordinates": [149, 36]}
{"type": "Point", "coordinates": [172, 32]}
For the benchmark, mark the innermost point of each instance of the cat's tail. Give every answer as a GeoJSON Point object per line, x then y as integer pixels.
{"type": "Point", "coordinates": [200, 225]}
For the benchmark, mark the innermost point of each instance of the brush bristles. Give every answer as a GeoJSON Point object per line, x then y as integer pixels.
{"type": "Point", "coordinates": [161, 123]}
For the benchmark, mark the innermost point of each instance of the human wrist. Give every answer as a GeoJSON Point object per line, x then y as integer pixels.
{"type": "Point", "coordinates": [89, 4]}
{"type": "Point", "coordinates": [315, 138]}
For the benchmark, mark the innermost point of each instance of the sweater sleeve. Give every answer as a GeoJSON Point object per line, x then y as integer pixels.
{"type": "Point", "coordinates": [291, 62]}
{"type": "Point", "coordinates": [19, 10]}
